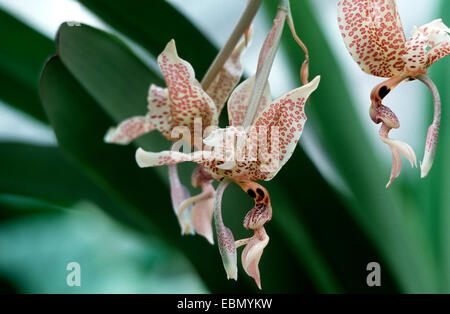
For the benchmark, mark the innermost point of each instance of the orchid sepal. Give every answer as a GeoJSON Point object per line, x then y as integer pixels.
{"type": "Point", "coordinates": [128, 130]}
{"type": "Point", "coordinates": [251, 255]}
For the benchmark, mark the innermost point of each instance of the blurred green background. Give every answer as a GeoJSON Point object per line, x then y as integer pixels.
{"type": "Point", "coordinates": [65, 196]}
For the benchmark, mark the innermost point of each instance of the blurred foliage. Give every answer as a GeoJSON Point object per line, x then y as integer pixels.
{"type": "Point", "coordinates": [21, 57]}
{"type": "Point", "coordinates": [113, 259]}
{"type": "Point", "coordinates": [322, 235]}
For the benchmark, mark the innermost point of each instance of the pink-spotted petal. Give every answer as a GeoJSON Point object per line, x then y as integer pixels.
{"type": "Point", "coordinates": [252, 253]}
{"type": "Point", "coordinates": [373, 34]}
{"type": "Point", "coordinates": [427, 44]}
{"type": "Point", "coordinates": [159, 110]}
{"type": "Point", "coordinates": [239, 99]}
{"type": "Point", "coordinates": [128, 130]}
{"type": "Point", "coordinates": [229, 76]}
{"type": "Point", "coordinates": [287, 114]}
{"type": "Point", "coordinates": [187, 98]}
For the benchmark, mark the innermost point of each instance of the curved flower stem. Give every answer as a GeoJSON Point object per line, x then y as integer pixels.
{"type": "Point", "coordinates": [266, 58]}
{"type": "Point", "coordinates": [433, 130]}
{"type": "Point", "coordinates": [304, 71]}
{"type": "Point", "coordinates": [240, 28]}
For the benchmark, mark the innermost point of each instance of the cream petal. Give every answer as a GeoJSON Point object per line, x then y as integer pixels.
{"type": "Point", "coordinates": [373, 34]}
{"type": "Point", "coordinates": [251, 255]}
{"type": "Point", "coordinates": [239, 99]}
{"type": "Point", "coordinates": [397, 147]}
{"type": "Point", "coordinates": [187, 98]}
{"type": "Point", "coordinates": [288, 115]}
{"type": "Point", "coordinates": [151, 159]}
{"type": "Point", "coordinates": [428, 44]}
{"type": "Point", "coordinates": [201, 214]}
{"type": "Point", "coordinates": [128, 130]}
{"type": "Point", "coordinates": [229, 76]}
{"type": "Point", "coordinates": [159, 110]}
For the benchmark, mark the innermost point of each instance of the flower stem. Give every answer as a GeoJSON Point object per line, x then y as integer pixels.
{"type": "Point", "coordinates": [266, 58]}
{"type": "Point", "coordinates": [243, 24]}
{"type": "Point", "coordinates": [304, 70]}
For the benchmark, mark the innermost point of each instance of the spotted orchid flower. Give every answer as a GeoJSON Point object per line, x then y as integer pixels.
{"type": "Point", "coordinates": [184, 103]}
{"type": "Point", "coordinates": [374, 36]}
{"type": "Point", "coordinates": [243, 156]}
{"type": "Point", "coordinates": [285, 116]}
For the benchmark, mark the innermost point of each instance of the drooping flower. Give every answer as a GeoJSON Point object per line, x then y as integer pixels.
{"type": "Point", "coordinates": [184, 106]}
{"type": "Point", "coordinates": [243, 156]}
{"type": "Point", "coordinates": [374, 36]}
{"type": "Point", "coordinates": [260, 139]}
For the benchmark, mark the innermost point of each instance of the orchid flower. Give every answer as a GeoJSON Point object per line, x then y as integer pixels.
{"type": "Point", "coordinates": [184, 104]}
{"type": "Point", "coordinates": [284, 120]}
{"type": "Point", "coordinates": [373, 34]}
{"type": "Point", "coordinates": [260, 139]}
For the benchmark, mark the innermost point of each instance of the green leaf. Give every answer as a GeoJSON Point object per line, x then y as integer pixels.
{"type": "Point", "coordinates": [23, 52]}
{"type": "Point", "coordinates": [111, 74]}
{"type": "Point", "coordinates": [14, 207]}
{"type": "Point", "coordinates": [152, 24]}
{"type": "Point", "coordinates": [42, 172]}
{"type": "Point", "coordinates": [102, 64]}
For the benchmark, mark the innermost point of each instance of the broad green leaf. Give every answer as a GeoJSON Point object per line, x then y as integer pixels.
{"type": "Point", "coordinates": [44, 173]}
{"type": "Point", "coordinates": [16, 207]}
{"type": "Point", "coordinates": [22, 54]}
{"type": "Point", "coordinates": [107, 69]}
{"type": "Point", "coordinates": [337, 126]}
{"type": "Point", "coordinates": [152, 24]}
